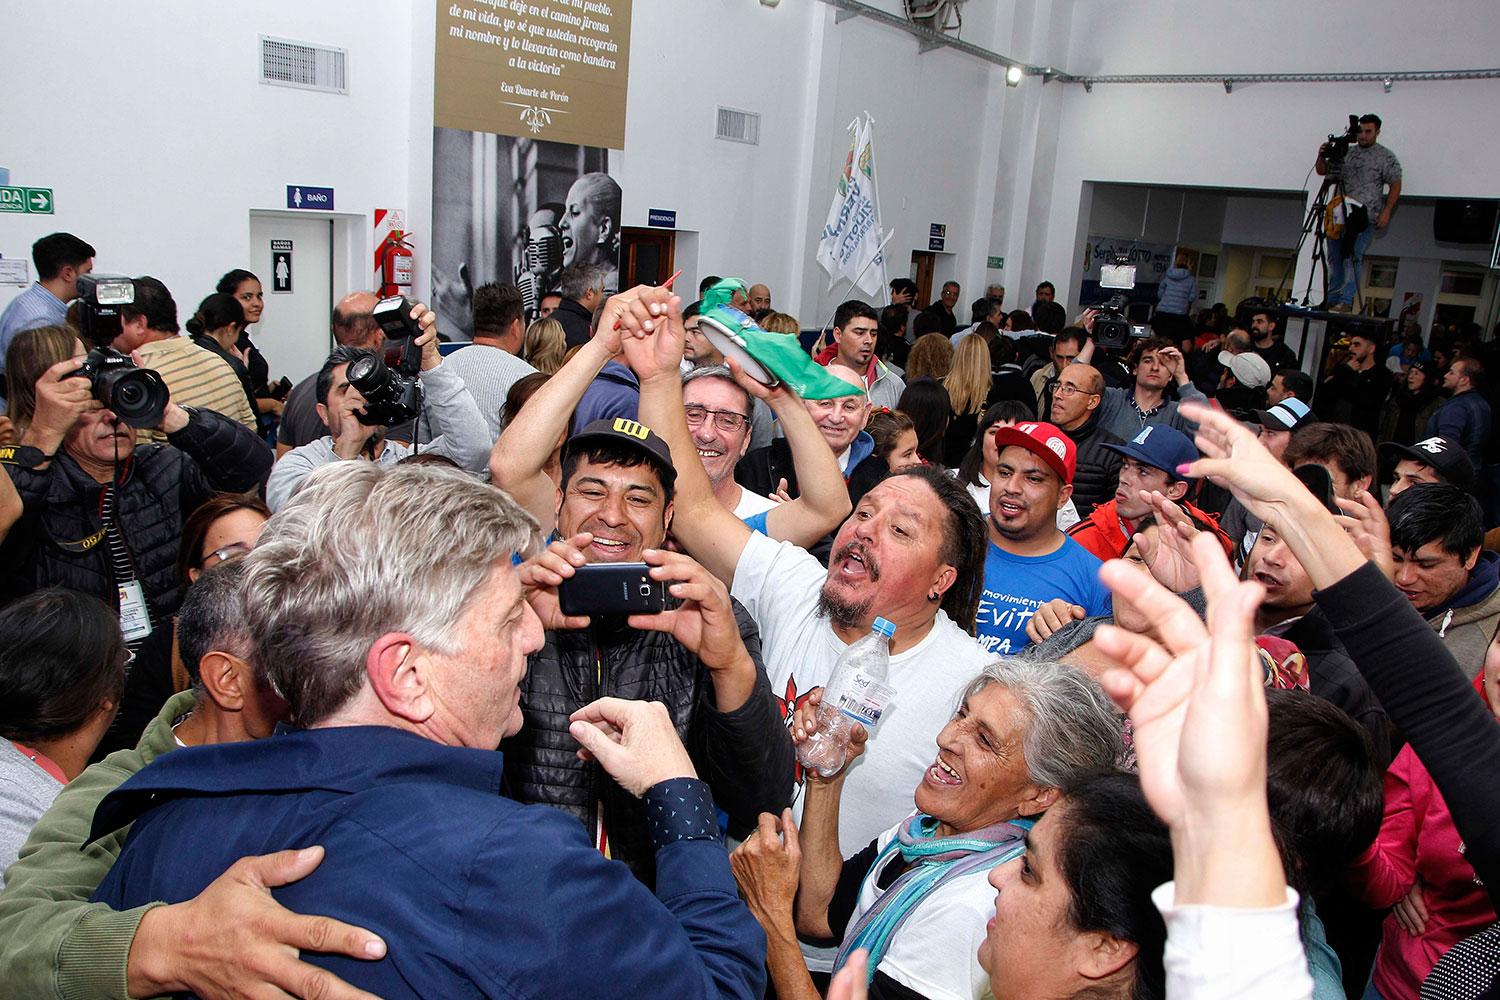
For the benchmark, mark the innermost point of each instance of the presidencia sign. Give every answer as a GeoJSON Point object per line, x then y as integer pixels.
{"type": "Point", "coordinates": [552, 70]}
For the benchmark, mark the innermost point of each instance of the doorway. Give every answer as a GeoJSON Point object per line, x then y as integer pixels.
{"type": "Point", "coordinates": [294, 258]}
{"type": "Point", "coordinates": [923, 263]}
{"type": "Point", "coordinates": [646, 255]}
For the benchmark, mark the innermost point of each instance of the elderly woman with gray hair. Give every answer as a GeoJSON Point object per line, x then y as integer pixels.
{"type": "Point", "coordinates": [917, 898]}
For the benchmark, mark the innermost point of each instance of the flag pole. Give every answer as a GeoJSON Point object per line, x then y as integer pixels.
{"type": "Point", "coordinates": [875, 184]}
{"type": "Point", "coordinates": [823, 334]}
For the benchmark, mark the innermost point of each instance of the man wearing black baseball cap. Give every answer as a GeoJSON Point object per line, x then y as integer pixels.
{"type": "Point", "coordinates": [1436, 459]}
{"type": "Point", "coordinates": [1150, 463]}
{"type": "Point", "coordinates": [614, 506]}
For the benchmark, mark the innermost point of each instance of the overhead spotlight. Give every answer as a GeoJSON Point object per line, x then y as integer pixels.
{"type": "Point", "coordinates": [1386, 83]}
{"type": "Point", "coordinates": [1013, 76]}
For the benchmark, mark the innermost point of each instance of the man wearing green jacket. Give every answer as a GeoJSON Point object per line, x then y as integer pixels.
{"type": "Point", "coordinates": [56, 945]}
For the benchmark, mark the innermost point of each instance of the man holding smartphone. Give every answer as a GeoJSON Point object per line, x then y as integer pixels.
{"type": "Point", "coordinates": [700, 657]}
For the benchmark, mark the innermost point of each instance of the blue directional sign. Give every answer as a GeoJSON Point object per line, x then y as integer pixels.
{"type": "Point", "coordinates": [665, 218]}
{"type": "Point", "coordinates": [302, 196]}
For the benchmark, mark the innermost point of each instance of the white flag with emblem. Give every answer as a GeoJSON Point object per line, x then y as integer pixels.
{"type": "Point", "coordinates": [851, 245]}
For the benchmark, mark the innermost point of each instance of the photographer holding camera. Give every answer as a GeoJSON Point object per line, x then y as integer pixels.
{"type": "Point", "coordinates": [103, 515]}
{"type": "Point", "coordinates": [1364, 168]}
{"type": "Point", "coordinates": [360, 398]}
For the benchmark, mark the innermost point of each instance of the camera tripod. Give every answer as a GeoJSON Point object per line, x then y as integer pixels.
{"type": "Point", "coordinates": [1333, 186]}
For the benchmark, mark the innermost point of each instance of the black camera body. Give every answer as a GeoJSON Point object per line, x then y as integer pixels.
{"type": "Point", "coordinates": [393, 393]}
{"type": "Point", "coordinates": [1111, 327]}
{"type": "Point", "coordinates": [138, 396]}
{"type": "Point", "coordinates": [1337, 146]}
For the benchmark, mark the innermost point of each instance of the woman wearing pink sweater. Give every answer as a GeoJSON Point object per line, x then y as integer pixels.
{"type": "Point", "coordinates": [1417, 865]}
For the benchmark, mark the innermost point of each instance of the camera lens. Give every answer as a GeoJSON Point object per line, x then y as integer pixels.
{"type": "Point", "coordinates": [645, 590]}
{"type": "Point", "coordinates": [138, 396]}
{"type": "Point", "coordinates": [369, 375]}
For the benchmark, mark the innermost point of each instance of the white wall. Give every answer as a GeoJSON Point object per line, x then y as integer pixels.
{"type": "Point", "coordinates": [151, 125]}
{"type": "Point", "coordinates": [1265, 135]}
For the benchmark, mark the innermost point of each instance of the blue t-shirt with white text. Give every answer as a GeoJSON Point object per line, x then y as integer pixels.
{"type": "Point", "coordinates": [1015, 586]}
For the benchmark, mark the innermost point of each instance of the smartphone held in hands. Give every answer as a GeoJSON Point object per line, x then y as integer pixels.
{"type": "Point", "coordinates": [612, 589]}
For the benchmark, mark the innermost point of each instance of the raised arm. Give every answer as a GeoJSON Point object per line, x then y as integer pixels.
{"type": "Point", "coordinates": [521, 454]}
{"type": "Point", "coordinates": [709, 533]}
{"type": "Point", "coordinates": [823, 500]}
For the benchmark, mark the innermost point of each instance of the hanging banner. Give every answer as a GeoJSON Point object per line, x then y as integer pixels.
{"type": "Point", "coordinates": [553, 70]}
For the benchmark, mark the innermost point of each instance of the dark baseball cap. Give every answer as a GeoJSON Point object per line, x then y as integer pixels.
{"type": "Point", "coordinates": [1444, 454]}
{"type": "Point", "coordinates": [1160, 447]}
{"type": "Point", "coordinates": [622, 430]}
{"type": "Point", "coordinates": [1287, 415]}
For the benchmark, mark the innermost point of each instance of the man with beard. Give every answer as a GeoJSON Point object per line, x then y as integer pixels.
{"type": "Point", "coordinates": [911, 553]}
{"type": "Point", "coordinates": [1029, 561]}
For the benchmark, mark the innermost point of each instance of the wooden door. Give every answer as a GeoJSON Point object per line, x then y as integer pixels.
{"type": "Point", "coordinates": [645, 256]}
{"type": "Point", "coordinates": [923, 262]}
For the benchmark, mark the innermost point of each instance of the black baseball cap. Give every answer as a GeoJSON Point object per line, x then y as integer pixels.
{"type": "Point", "coordinates": [1445, 455]}
{"type": "Point", "coordinates": [622, 430]}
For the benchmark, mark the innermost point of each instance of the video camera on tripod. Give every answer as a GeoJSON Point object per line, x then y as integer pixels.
{"type": "Point", "coordinates": [1337, 147]}
{"type": "Point", "coordinates": [1112, 328]}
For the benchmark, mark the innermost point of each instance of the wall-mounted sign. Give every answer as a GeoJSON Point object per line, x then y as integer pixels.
{"type": "Point", "coordinates": [665, 218]}
{"type": "Point", "coordinates": [281, 265]}
{"type": "Point", "coordinates": [546, 69]}
{"type": "Point", "coordinates": [995, 263]}
{"type": "Point", "coordinates": [937, 236]}
{"type": "Point", "coordinates": [301, 196]}
{"type": "Point", "coordinates": [33, 201]}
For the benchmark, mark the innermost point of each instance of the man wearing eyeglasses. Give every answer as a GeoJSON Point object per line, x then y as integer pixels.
{"type": "Point", "coordinates": [1075, 409]}
{"type": "Point", "coordinates": [718, 418]}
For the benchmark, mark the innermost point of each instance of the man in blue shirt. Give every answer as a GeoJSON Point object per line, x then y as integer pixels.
{"type": "Point", "coordinates": [59, 259]}
{"type": "Point", "coordinates": [399, 643]}
{"type": "Point", "coordinates": [1030, 562]}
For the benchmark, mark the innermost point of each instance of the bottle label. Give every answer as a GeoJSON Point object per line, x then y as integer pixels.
{"type": "Point", "coordinates": [865, 700]}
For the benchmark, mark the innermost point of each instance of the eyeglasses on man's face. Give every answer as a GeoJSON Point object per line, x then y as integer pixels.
{"type": "Point", "coordinates": [728, 421]}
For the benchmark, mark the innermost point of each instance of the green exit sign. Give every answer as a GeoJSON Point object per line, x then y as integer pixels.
{"type": "Point", "coordinates": [35, 201]}
{"type": "Point", "coordinates": [996, 263]}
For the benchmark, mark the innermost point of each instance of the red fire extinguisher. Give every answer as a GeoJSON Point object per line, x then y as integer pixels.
{"type": "Point", "coordinates": [396, 263]}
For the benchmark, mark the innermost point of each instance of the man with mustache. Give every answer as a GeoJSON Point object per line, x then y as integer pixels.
{"type": "Point", "coordinates": [1029, 561]}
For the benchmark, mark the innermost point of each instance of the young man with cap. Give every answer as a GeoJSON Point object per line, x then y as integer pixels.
{"type": "Point", "coordinates": [700, 658]}
{"type": "Point", "coordinates": [1437, 534]}
{"type": "Point", "coordinates": [1432, 460]}
{"type": "Point", "coordinates": [1150, 463]}
{"type": "Point", "coordinates": [1029, 561]}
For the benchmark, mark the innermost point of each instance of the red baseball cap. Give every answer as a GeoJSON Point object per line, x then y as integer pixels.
{"type": "Point", "coordinates": [1046, 441]}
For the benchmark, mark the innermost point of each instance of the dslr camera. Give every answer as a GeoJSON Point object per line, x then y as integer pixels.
{"type": "Point", "coordinates": [392, 392]}
{"type": "Point", "coordinates": [1337, 146]}
{"type": "Point", "coordinates": [138, 396]}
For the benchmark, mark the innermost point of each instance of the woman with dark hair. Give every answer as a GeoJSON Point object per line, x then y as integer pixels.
{"type": "Point", "coordinates": [62, 672]}
{"type": "Point", "coordinates": [216, 327]}
{"type": "Point", "coordinates": [1074, 916]}
{"type": "Point", "coordinates": [895, 449]}
{"type": "Point", "coordinates": [1415, 396]}
{"type": "Point", "coordinates": [223, 526]}
{"type": "Point", "coordinates": [926, 402]}
{"type": "Point", "coordinates": [246, 289]}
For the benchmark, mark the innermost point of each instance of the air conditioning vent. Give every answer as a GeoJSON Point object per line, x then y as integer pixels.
{"type": "Point", "coordinates": [738, 126]}
{"type": "Point", "coordinates": [286, 63]}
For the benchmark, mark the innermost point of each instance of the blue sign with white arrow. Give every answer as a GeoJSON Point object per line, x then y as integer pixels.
{"type": "Point", "coordinates": [302, 196]}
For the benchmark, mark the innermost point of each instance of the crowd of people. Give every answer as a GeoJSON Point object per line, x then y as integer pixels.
{"type": "Point", "coordinates": [1194, 657]}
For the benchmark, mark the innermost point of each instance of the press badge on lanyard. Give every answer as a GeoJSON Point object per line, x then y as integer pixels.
{"type": "Point", "coordinates": [135, 620]}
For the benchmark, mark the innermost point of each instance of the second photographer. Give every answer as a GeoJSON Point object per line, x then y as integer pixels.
{"type": "Point", "coordinates": [1363, 168]}
{"type": "Point", "coordinates": [357, 421]}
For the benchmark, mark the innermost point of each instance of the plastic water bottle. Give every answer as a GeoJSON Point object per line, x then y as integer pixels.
{"type": "Point", "coordinates": [856, 693]}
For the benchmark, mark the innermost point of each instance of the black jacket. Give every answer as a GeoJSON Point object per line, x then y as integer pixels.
{"type": "Point", "coordinates": [576, 321]}
{"type": "Point", "coordinates": [745, 756]}
{"type": "Point", "coordinates": [1332, 676]}
{"type": "Point", "coordinates": [1098, 470]}
{"type": "Point", "coordinates": [59, 541]}
{"type": "Point", "coordinates": [56, 543]}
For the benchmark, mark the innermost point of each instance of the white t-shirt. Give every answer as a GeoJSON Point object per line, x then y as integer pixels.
{"type": "Point", "coordinates": [936, 951]}
{"type": "Point", "coordinates": [751, 504]}
{"type": "Point", "coordinates": [779, 584]}
{"type": "Point", "coordinates": [1067, 514]}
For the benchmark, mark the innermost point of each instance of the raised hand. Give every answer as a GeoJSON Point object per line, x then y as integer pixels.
{"type": "Point", "coordinates": [1197, 702]}
{"type": "Point", "coordinates": [1233, 457]}
{"type": "Point", "coordinates": [767, 867]}
{"type": "Point", "coordinates": [1169, 554]}
{"type": "Point", "coordinates": [651, 334]}
{"type": "Point", "coordinates": [544, 572]}
{"type": "Point", "coordinates": [1367, 525]}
